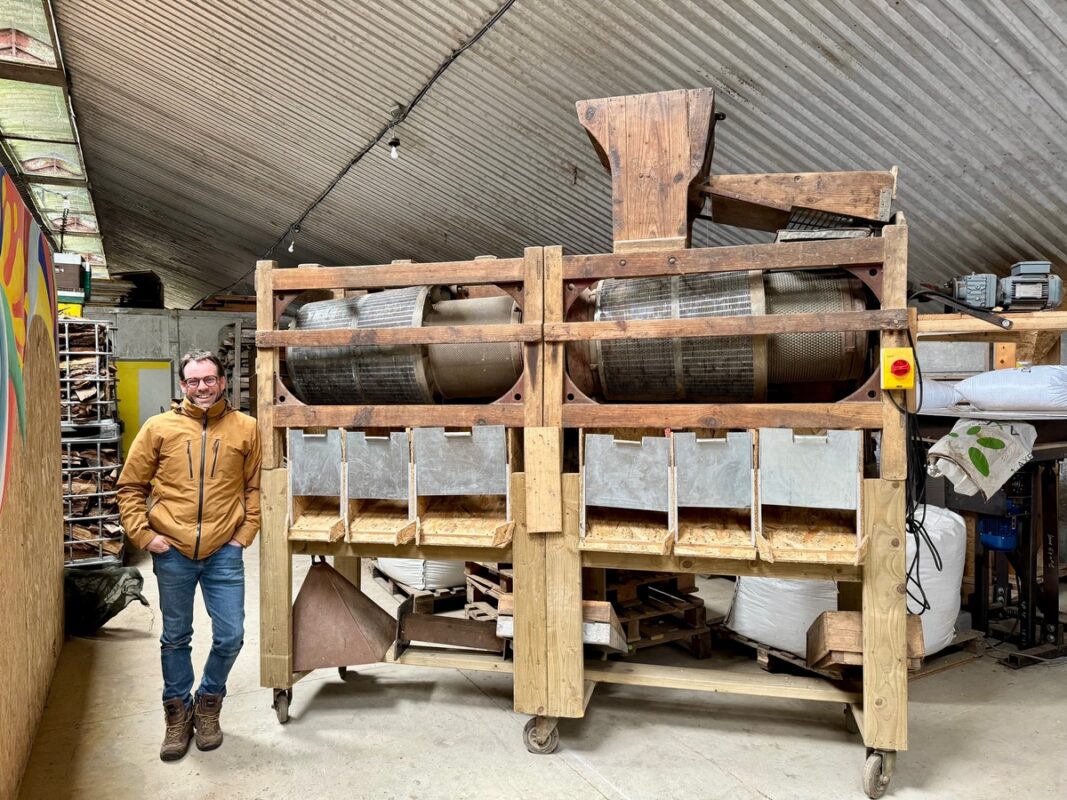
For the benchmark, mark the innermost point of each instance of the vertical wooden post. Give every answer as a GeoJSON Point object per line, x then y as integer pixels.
{"type": "Point", "coordinates": [528, 551]}
{"type": "Point", "coordinates": [885, 666]}
{"type": "Point", "coordinates": [270, 439]}
{"type": "Point", "coordinates": [531, 634]}
{"type": "Point", "coordinates": [275, 584]}
{"type": "Point", "coordinates": [885, 649]}
{"type": "Point", "coordinates": [563, 562]}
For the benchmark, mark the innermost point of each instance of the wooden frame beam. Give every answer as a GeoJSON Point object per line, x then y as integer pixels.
{"type": "Point", "coordinates": [443, 334]}
{"type": "Point", "coordinates": [721, 566]}
{"type": "Point", "coordinates": [756, 325]}
{"type": "Point", "coordinates": [766, 201]}
{"type": "Point", "coordinates": [826, 254]}
{"type": "Point", "coordinates": [302, 416]}
{"type": "Point", "coordinates": [479, 271]}
{"type": "Point", "coordinates": [32, 73]}
{"type": "Point", "coordinates": [846, 415]}
{"type": "Point", "coordinates": [718, 680]}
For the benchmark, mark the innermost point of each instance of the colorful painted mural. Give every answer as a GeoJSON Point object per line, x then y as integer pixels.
{"type": "Point", "coordinates": [28, 292]}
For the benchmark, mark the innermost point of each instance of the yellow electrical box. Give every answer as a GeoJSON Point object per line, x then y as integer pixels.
{"type": "Point", "coordinates": [898, 368]}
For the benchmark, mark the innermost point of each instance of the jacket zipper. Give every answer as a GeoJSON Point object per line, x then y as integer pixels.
{"type": "Point", "coordinates": [200, 496]}
{"type": "Point", "coordinates": [189, 453]}
{"type": "Point", "coordinates": [215, 457]}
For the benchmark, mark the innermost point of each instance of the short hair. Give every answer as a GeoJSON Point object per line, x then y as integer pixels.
{"type": "Point", "coordinates": [200, 355]}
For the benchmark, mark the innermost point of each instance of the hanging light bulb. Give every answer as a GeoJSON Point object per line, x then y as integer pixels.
{"type": "Point", "coordinates": [293, 231]}
{"type": "Point", "coordinates": [394, 148]}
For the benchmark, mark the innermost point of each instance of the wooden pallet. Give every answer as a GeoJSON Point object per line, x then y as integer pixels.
{"type": "Point", "coordinates": [426, 601]}
{"type": "Point", "coordinates": [486, 582]}
{"type": "Point", "coordinates": [658, 608]}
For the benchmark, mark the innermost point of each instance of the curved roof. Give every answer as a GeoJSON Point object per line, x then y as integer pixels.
{"type": "Point", "coordinates": [207, 135]}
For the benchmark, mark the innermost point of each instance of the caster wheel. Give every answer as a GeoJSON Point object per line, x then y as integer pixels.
{"type": "Point", "coordinates": [281, 704]}
{"type": "Point", "coordinates": [875, 780]}
{"type": "Point", "coordinates": [534, 745]}
{"type": "Point", "coordinates": [850, 722]}
{"type": "Point", "coordinates": [342, 671]}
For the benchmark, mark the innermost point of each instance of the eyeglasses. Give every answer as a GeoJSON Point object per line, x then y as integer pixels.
{"type": "Point", "coordinates": [209, 381]}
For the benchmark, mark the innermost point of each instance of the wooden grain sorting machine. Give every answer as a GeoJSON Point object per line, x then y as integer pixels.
{"type": "Point", "coordinates": [657, 408]}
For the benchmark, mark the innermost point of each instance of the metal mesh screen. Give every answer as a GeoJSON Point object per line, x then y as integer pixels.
{"type": "Point", "coordinates": [675, 369]}
{"type": "Point", "coordinates": [361, 375]}
{"type": "Point", "coordinates": [809, 357]}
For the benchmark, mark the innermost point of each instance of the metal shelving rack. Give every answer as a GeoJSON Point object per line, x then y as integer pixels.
{"type": "Point", "coordinates": [91, 443]}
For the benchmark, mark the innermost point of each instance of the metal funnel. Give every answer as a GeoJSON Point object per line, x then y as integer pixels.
{"type": "Point", "coordinates": [335, 624]}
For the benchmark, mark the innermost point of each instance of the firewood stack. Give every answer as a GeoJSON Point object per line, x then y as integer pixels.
{"type": "Point", "coordinates": [86, 372]}
{"type": "Point", "coordinates": [91, 455]}
{"type": "Point", "coordinates": [238, 362]}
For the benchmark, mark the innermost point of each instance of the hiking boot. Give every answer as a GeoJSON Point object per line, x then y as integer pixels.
{"type": "Point", "coordinates": [206, 710]}
{"type": "Point", "coordinates": [179, 730]}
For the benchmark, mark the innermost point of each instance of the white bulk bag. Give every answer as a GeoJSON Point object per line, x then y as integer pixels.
{"type": "Point", "coordinates": [936, 394]}
{"type": "Point", "coordinates": [778, 613]}
{"type": "Point", "coordinates": [1042, 388]}
{"type": "Point", "coordinates": [948, 534]}
{"type": "Point", "coordinates": [424, 574]}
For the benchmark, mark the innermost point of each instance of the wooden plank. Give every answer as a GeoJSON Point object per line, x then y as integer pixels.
{"type": "Point", "coordinates": [837, 633]}
{"type": "Point", "coordinates": [445, 658]}
{"type": "Point", "coordinates": [443, 334]}
{"type": "Point", "coordinates": [303, 416]}
{"type": "Point", "coordinates": [1004, 355]}
{"type": "Point", "coordinates": [32, 73]}
{"type": "Point", "coordinates": [500, 270]}
{"type": "Point", "coordinates": [719, 566]}
{"type": "Point", "coordinates": [531, 632]}
{"type": "Point", "coordinates": [885, 668]}
{"type": "Point", "coordinates": [267, 363]}
{"type": "Point", "coordinates": [275, 583]}
{"type": "Point", "coordinates": [555, 353]}
{"type": "Point", "coordinates": [759, 684]}
{"type": "Point", "coordinates": [592, 610]}
{"type": "Point", "coordinates": [757, 325]}
{"type": "Point", "coordinates": [533, 353]}
{"type": "Point", "coordinates": [380, 550]}
{"type": "Point", "coordinates": [787, 255]}
{"type": "Point", "coordinates": [843, 415]}
{"type": "Point", "coordinates": [764, 201]}
{"type": "Point", "coordinates": [930, 324]}
{"type": "Point", "coordinates": [563, 585]}
{"type": "Point", "coordinates": [894, 443]}
{"type": "Point", "coordinates": [543, 455]}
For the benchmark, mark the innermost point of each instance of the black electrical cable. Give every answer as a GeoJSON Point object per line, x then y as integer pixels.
{"type": "Point", "coordinates": [915, 497]}
{"type": "Point", "coordinates": [387, 129]}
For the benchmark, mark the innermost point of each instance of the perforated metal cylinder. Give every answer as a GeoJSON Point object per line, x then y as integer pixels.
{"type": "Point", "coordinates": [365, 374]}
{"type": "Point", "coordinates": [729, 368]}
{"type": "Point", "coordinates": [809, 357]}
{"type": "Point", "coordinates": [712, 368]}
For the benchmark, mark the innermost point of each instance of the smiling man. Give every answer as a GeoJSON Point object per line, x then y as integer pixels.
{"type": "Point", "coordinates": [189, 494]}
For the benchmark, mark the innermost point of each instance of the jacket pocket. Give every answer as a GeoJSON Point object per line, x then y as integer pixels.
{"type": "Point", "coordinates": [189, 454]}
{"type": "Point", "coordinates": [215, 456]}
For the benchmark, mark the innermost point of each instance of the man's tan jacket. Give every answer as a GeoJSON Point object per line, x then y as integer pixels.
{"type": "Point", "coordinates": [202, 470]}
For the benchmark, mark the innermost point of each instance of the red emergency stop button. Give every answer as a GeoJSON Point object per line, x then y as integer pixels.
{"type": "Point", "coordinates": [900, 367]}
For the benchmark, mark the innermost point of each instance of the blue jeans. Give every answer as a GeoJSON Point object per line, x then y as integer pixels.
{"type": "Point", "coordinates": [222, 581]}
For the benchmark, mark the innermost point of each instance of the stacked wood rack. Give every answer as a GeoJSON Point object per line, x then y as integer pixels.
{"type": "Point", "coordinates": [91, 443]}
{"type": "Point", "coordinates": [549, 543]}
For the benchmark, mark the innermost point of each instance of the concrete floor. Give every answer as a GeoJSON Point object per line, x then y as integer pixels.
{"type": "Point", "coordinates": [978, 731]}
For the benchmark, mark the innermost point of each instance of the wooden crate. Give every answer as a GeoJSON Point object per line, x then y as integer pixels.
{"type": "Point", "coordinates": [835, 641]}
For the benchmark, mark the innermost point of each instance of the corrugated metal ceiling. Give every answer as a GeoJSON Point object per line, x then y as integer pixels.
{"type": "Point", "coordinates": [207, 133]}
